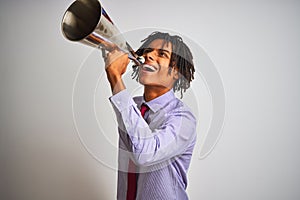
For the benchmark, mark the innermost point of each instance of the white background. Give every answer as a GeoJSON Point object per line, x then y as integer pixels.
{"type": "Point", "coordinates": [255, 46]}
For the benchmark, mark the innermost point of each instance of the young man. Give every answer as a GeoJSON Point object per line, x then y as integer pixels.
{"type": "Point", "coordinates": [155, 147]}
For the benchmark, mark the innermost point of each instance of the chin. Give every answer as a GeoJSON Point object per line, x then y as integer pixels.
{"type": "Point", "coordinates": [144, 81]}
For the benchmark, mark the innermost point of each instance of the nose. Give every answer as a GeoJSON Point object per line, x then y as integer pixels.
{"type": "Point", "coordinates": [150, 56]}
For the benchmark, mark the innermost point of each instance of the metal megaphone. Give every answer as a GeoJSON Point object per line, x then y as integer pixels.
{"type": "Point", "coordinates": [86, 21]}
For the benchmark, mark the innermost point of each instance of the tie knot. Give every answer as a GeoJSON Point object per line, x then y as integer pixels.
{"type": "Point", "coordinates": [144, 108]}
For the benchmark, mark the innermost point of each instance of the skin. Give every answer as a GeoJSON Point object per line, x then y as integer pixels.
{"type": "Point", "coordinates": [156, 81]}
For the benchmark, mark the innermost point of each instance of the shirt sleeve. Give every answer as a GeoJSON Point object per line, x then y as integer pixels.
{"type": "Point", "coordinates": [149, 146]}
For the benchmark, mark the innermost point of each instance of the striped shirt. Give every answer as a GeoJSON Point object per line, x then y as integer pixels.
{"type": "Point", "coordinates": [160, 145]}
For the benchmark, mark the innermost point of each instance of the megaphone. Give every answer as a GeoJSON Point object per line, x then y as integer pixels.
{"type": "Point", "coordinates": [87, 22]}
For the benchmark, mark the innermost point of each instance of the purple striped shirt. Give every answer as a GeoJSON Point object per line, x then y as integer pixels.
{"type": "Point", "coordinates": [160, 145]}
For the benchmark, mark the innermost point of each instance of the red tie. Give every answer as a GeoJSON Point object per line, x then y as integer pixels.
{"type": "Point", "coordinates": [144, 109]}
{"type": "Point", "coordinates": [131, 179]}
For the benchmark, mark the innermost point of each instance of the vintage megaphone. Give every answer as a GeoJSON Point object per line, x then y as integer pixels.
{"type": "Point", "coordinates": [86, 21]}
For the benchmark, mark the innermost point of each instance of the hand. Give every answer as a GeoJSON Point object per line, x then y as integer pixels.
{"type": "Point", "coordinates": [116, 63]}
{"type": "Point", "coordinates": [115, 66]}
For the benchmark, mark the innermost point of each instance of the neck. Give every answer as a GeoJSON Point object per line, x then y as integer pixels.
{"type": "Point", "coordinates": [151, 93]}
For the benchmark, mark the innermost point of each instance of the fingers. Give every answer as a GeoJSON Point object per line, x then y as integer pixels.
{"type": "Point", "coordinates": [115, 56]}
{"type": "Point", "coordinates": [116, 63]}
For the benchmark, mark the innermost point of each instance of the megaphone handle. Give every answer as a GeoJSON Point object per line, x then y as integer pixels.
{"type": "Point", "coordinates": [130, 56]}
{"type": "Point", "coordinates": [134, 59]}
{"type": "Point", "coordinates": [104, 54]}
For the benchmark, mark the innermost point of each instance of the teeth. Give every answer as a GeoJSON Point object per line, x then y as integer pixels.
{"type": "Point", "coordinates": [149, 68]}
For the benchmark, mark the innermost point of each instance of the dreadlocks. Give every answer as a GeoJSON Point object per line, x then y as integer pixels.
{"type": "Point", "coordinates": [181, 58]}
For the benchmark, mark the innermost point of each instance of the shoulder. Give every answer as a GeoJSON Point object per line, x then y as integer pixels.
{"type": "Point", "coordinates": [177, 107]}
{"type": "Point", "coordinates": [182, 118]}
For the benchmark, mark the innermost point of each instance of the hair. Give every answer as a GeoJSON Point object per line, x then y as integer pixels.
{"type": "Point", "coordinates": [181, 58]}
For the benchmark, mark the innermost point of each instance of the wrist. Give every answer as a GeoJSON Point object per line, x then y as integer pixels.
{"type": "Point", "coordinates": [113, 77]}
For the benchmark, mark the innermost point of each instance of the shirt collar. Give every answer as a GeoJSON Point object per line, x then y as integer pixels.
{"type": "Point", "coordinates": [159, 102]}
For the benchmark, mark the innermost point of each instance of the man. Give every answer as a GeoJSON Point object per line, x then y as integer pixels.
{"type": "Point", "coordinates": [155, 148]}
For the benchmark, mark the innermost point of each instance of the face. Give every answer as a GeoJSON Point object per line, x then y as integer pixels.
{"type": "Point", "coordinates": [155, 71]}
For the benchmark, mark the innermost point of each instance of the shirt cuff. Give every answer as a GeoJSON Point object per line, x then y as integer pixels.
{"type": "Point", "coordinates": [122, 100]}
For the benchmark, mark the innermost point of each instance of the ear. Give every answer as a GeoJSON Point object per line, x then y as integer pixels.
{"type": "Point", "coordinates": [174, 71]}
{"type": "Point", "coordinates": [176, 74]}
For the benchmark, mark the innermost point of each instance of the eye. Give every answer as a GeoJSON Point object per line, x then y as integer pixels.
{"type": "Point", "coordinates": [163, 54]}
{"type": "Point", "coordinates": [147, 50]}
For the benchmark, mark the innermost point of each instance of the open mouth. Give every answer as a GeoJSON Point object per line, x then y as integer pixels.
{"type": "Point", "coordinates": [149, 68]}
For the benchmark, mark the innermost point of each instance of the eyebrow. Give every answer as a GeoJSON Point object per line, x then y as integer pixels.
{"type": "Point", "coordinates": [161, 50]}
{"type": "Point", "coordinates": [165, 50]}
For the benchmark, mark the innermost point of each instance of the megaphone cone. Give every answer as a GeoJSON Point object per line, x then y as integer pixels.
{"type": "Point", "coordinates": [87, 22]}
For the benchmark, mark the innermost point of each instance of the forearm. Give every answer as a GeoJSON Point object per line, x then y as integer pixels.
{"type": "Point", "coordinates": [116, 82]}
